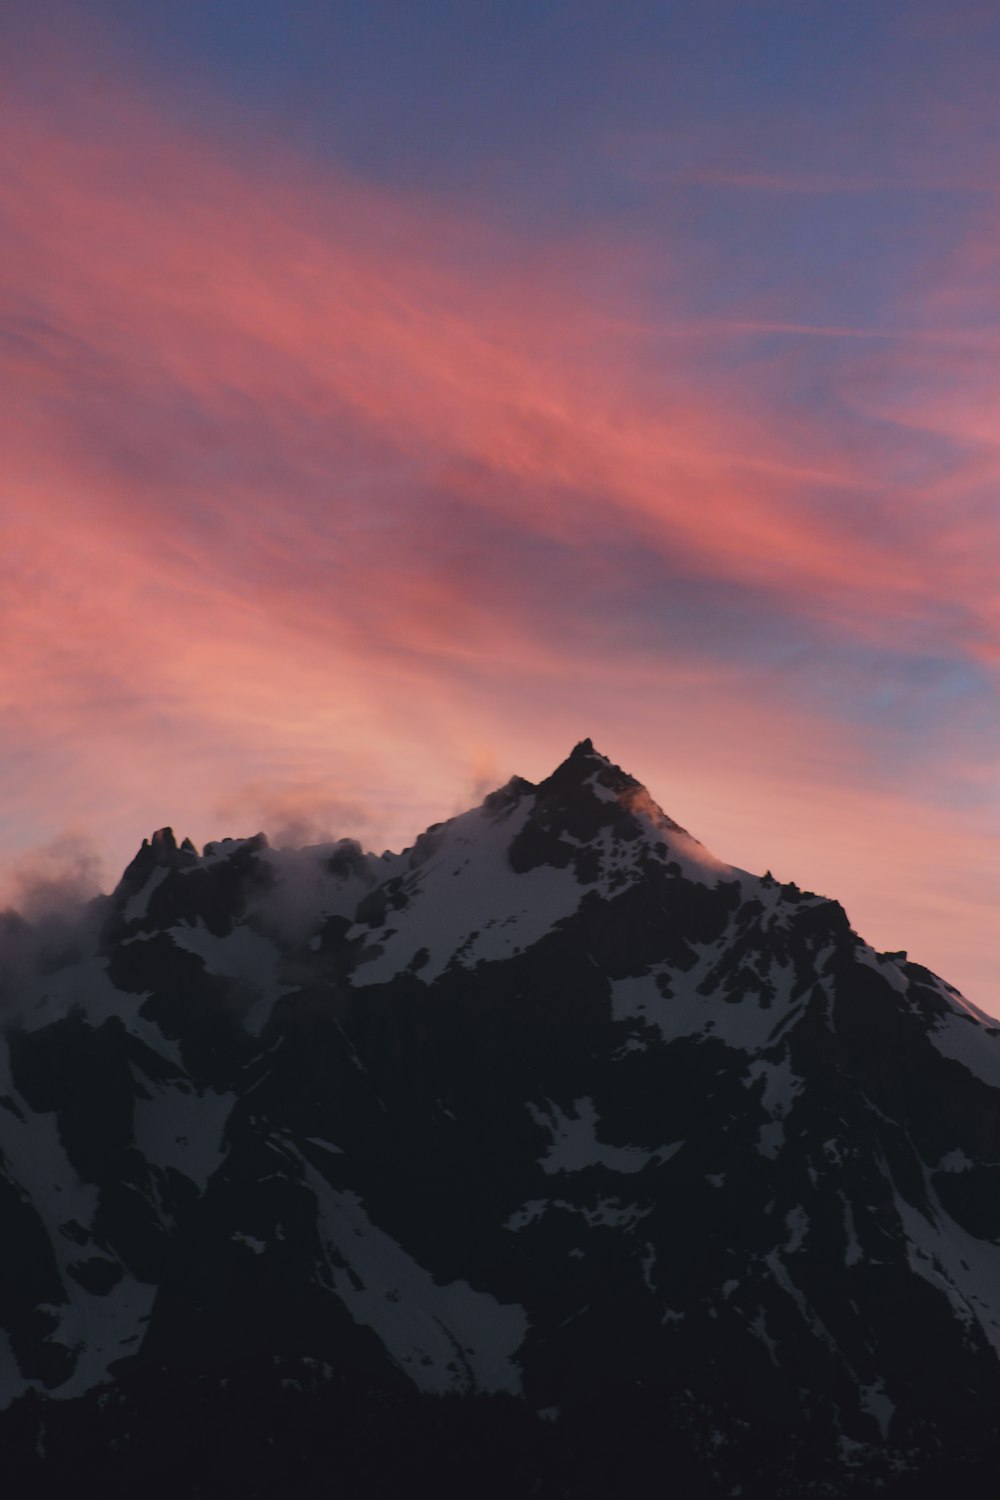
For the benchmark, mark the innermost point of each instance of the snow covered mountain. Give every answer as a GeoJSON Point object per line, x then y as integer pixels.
{"type": "Point", "coordinates": [652, 1165]}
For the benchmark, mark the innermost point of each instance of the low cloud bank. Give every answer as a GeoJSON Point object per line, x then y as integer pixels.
{"type": "Point", "coordinates": [53, 909]}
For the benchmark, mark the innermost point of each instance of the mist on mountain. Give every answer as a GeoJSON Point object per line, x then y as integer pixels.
{"type": "Point", "coordinates": [552, 1137]}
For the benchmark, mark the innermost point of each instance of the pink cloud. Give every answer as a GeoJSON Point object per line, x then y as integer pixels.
{"type": "Point", "coordinates": [268, 426]}
{"type": "Point", "coordinates": [166, 278]}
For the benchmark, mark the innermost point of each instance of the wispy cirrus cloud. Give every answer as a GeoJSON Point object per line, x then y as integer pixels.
{"type": "Point", "coordinates": [196, 308]}
{"type": "Point", "coordinates": [301, 474]}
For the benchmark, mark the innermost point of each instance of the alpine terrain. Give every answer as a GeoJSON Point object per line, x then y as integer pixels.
{"type": "Point", "coordinates": [552, 1156]}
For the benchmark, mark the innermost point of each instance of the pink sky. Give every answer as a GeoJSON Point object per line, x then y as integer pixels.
{"type": "Point", "coordinates": [329, 502]}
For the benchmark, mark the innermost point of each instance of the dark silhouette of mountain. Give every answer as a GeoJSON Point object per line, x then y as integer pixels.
{"type": "Point", "coordinates": [551, 1156]}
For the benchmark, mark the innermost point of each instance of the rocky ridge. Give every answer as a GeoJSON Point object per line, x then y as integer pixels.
{"type": "Point", "coordinates": [647, 1163]}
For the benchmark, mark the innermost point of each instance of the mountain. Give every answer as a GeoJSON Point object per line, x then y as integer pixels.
{"type": "Point", "coordinates": [550, 1156]}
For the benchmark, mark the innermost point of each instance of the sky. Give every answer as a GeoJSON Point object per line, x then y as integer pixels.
{"type": "Point", "coordinates": [395, 394]}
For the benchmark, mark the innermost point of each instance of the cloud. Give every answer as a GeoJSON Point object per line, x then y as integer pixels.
{"type": "Point", "coordinates": [294, 816]}
{"type": "Point", "coordinates": [194, 334]}
{"type": "Point", "coordinates": [312, 484]}
{"type": "Point", "coordinates": [54, 881]}
{"type": "Point", "coordinates": [51, 915]}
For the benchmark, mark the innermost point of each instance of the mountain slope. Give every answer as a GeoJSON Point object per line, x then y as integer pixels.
{"type": "Point", "coordinates": [553, 1110]}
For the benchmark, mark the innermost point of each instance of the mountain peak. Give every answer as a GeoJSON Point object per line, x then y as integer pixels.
{"type": "Point", "coordinates": [587, 806]}
{"type": "Point", "coordinates": [585, 766]}
{"type": "Point", "coordinates": [291, 1074]}
{"type": "Point", "coordinates": [160, 851]}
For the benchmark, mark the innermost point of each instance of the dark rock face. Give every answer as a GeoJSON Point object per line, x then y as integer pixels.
{"type": "Point", "coordinates": [551, 1156]}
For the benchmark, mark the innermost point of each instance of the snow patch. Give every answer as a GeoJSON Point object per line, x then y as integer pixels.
{"type": "Point", "coordinates": [853, 1255]}
{"type": "Point", "coordinates": [245, 956]}
{"type": "Point", "coordinates": [693, 1006]}
{"type": "Point", "coordinates": [102, 1329]}
{"type": "Point", "coordinates": [965, 1269]}
{"type": "Point", "coordinates": [575, 1145]}
{"type": "Point", "coordinates": [85, 987]}
{"type": "Point", "coordinates": [782, 1085]}
{"type": "Point", "coordinates": [875, 1401]}
{"type": "Point", "coordinates": [99, 1328]}
{"type": "Point", "coordinates": [606, 1212]}
{"type": "Point", "coordinates": [444, 1337]}
{"type": "Point", "coordinates": [256, 1246]}
{"type": "Point", "coordinates": [797, 1223]}
{"type": "Point", "coordinates": [962, 1036]}
{"type": "Point", "coordinates": [466, 905]}
{"type": "Point", "coordinates": [180, 1128]}
{"type": "Point", "coordinates": [136, 906]}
